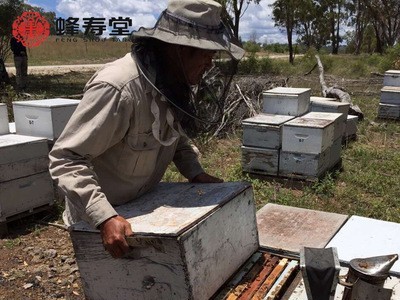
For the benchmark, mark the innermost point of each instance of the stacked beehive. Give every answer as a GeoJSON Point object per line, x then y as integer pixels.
{"type": "Point", "coordinates": [25, 183]}
{"type": "Point", "coordinates": [287, 140]}
{"type": "Point", "coordinates": [389, 106]}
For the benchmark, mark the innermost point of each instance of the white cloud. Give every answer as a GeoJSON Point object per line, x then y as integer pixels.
{"type": "Point", "coordinates": [257, 20]}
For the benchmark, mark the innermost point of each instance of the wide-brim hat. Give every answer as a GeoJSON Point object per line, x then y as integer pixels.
{"type": "Point", "coordinates": [194, 23]}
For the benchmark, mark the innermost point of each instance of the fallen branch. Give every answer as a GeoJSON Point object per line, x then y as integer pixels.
{"type": "Point", "coordinates": [335, 92]}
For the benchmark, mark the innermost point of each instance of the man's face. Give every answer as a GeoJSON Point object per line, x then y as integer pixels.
{"type": "Point", "coordinates": [195, 62]}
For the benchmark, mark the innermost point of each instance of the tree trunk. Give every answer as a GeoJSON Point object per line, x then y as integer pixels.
{"type": "Point", "coordinates": [334, 92]}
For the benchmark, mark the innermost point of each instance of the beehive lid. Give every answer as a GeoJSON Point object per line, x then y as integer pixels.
{"type": "Point", "coordinates": [393, 89]}
{"type": "Point", "coordinates": [392, 72]}
{"type": "Point", "coordinates": [307, 122]}
{"type": "Point", "coordinates": [172, 208]}
{"type": "Point", "coordinates": [48, 103]}
{"type": "Point", "coordinates": [267, 119]}
{"type": "Point", "coordinates": [363, 237]}
{"type": "Point", "coordinates": [314, 98]}
{"type": "Point", "coordinates": [9, 140]}
{"type": "Point", "coordinates": [287, 91]}
{"type": "Point", "coordinates": [322, 115]}
{"type": "Point", "coordinates": [290, 228]}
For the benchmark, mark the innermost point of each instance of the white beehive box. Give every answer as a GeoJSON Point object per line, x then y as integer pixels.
{"type": "Point", "coordinates": [314, 98]}
{"type": "Point", "coordinates": [286, 101]}
{"type": "Point", "coordinates": [392, 78]}
{"type": "Point", "coordinates": [25, 194]}
{"type": "Point", "coordinates": [335, 153]}
{"type": "Point", "coordinates": [22, 156]}
{"type": "Point", "coordinates": [389, 111]}
{"type": "Point", "coordinates": [330, 107]}
{"type": "Point", "coordinates": [339, 121]}
{"type": "Point", "coordinates": [202, 234]}
{"type": "Point", "coordinates": [43, 118]}
{"type": "Point", "coordinates": [310, 136]}
{"type": "Point", "coordinates": [260, 160]}
{"type": "Point", "coordinates": [3, 119]}
{"type": "Point", "coordinates": [351, 126]}
{"type": "Point", "coordinates": [264, 131]}
{"type": "Point", "coordinates": [303, 165]}
{"type": "Point", "coordinates": [390, 95]}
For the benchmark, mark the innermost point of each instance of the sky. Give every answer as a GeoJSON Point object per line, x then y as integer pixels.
{"type": "Point", "coordinates": [256, 22]}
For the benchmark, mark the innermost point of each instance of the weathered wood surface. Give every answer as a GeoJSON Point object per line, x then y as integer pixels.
{"type": "Point", "coordinates": [311, 136]}
{"type": "Point", "coordinates": [260, 161]}
{"type": "Point", "coordinates": [264, 131]}
{"type": "Point", "coordinates": [330, 107]}
{"type": "Point", "coordinates": [389, 111]}
{"type": "Point", "coordinates": [205, 232]}
{"type": "Point", "coordinates": [286, 101]}
{"type": "Point", "coordinates": [290, 228]}
{"type": "Point", "coordinates": [283, 282]}
{"type": "Point", "coordinates": [339, 121]}
{"type": "Point", "coordinates": [23, 168]}
{"type": "Point", "coordinates": [25, 194]}
{"type": "Point", "coordinates": [392, 78]}
{"type": "Point", "coordinates": [15, 147]}
{"type": "Point", "coordinates": [390, 95]}
{"type": "Point", "coordinates": [3, 119]}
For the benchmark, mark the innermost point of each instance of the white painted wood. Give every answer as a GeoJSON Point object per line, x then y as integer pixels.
{"type": "Point", "coordinates": [260, 160]}
{"type": "Point", "coordinates": [264, 131]}
{"type": "Point", "coordinates": [23, 168]}
{"type": "Point", "coordinates": [25, 194]}
{"type": "Point", "coordinates": [11, 127]}
{"type": "Point", "coordinates": [205, 233]}
{"type": "Point", "coordinates": [3, 119]}
{"type": "Point", "coordinates": [351, 126]}
{"type": "Point", "coordinates": [15, 147]}
{"type": "Point", "coordinates": [304, 165]}
{"type": "Point", "coordinates": [389, 111]}
{"type": "Point", "coordinates": [330, 106]}
{"type": "Point", "coordinates": [392, 78]}
{"type": "Point", "coordinates": [362, 237]}
{"type": "Point", "coordinates": [335, 153]}
{"type": "Point", "coordinates": [339, 121]}
{"type": "Point", "coordinates": [390, 95]}
{"type": "Point", "coordinates": [43, 118]}
{"type": "Point", "coordinates": [314, 98]}
{"type": "Point", "coordinates": [286, 101]}
{"type": "Point", "coordinates": [392, 283]}
{"type": "Point", "coordinates": [310, 136]}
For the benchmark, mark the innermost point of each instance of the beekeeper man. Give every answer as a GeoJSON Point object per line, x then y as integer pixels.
{"type": "Point", "coordinates": [125, 131]}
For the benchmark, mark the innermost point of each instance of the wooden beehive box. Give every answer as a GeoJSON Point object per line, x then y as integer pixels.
{"type": "Point", "coordinates": [264, 131]}
{"type": "Point", "coordinates": [286, 101]}
{"type": "Point", "coordinates": [390, 95]}
{"type": "Point", "coordinates": [25, 195]}
{"type": "Point", "coordinates": [21, 156]}
{"type": "Point", "coordinates": [392, 78]}
{"type": "Point", "coordinates": [351, 126]}
{"type": "Point", "coordinates": [309, 136]}
{"type": "Point", "coordinates": [339, 121]}
{"type": "Point", "coordinates": [43, 118]}
{"type": "Point", "coordinates": [330, 107]}
{"type": "Point", "coordinates": [314, 98]}
{"type": "Point", "coordinates": [304, 165]}
{"type": "Point", "coordinates": [260, 160]}
{"type": "Point", "coordinates": [389, 111]}
{"type": "Point", "coordinates": [203, 234]}
{"type": "Point", "coordinates": [3, 119]}
{"type": "Point", "coordinates": [335, 153]}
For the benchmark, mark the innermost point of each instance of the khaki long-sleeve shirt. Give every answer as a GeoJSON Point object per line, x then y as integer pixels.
{"type": "Point", "coordinates": [117, 144]}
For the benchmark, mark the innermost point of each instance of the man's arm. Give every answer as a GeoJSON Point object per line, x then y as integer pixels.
{"type": "Point", "coordinates": [186, 160]}
{"type": "Point", "coordinates": [99, 122]}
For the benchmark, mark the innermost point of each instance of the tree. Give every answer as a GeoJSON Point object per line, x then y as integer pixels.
{"type": "Point", "coordinates": [284, 15]}
{"type": "Point", "coordinates": [233, 11]}
{"type": "Point", "coordinates": [9, 10]}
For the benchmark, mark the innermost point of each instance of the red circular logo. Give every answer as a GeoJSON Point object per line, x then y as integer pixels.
{"type": "Point", "coordinates": [31, 29]}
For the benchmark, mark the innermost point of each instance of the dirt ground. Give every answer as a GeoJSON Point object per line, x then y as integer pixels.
{"type": "Point", "coordinates": [37, 262]}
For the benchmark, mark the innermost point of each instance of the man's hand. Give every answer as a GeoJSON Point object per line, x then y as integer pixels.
{"type": "Point", "coordinates": [113, 232]}
{"type": "Point", "coordinates": [206, 178]}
